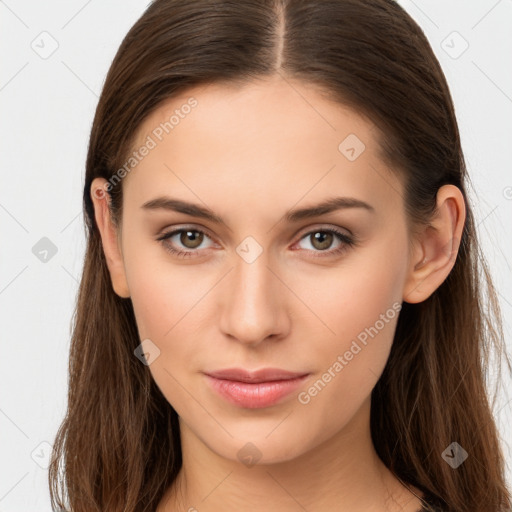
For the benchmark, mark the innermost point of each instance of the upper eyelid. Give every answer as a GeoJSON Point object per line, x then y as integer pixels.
{"type": "Point", "coordinates": [326, 227]}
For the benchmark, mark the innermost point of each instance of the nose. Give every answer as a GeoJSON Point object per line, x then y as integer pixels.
{"type": "Point", "coordinates": [254, 303]}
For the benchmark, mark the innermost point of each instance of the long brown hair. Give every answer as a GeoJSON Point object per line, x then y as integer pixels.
{"type": "Point", "coordinates": [118, 448]}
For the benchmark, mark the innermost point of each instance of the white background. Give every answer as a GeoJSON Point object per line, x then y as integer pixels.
{"type": "Point", "coordinates": [47, 107]}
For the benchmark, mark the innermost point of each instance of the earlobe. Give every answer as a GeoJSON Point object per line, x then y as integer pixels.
{"type": "Point", "coordinates": [109, 237]}
{"type": "Point", "coordinates": [437, 246]}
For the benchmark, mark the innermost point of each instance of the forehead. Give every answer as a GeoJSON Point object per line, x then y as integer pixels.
{"type": "Point", "coordinates": [261, 111]}
{"type": "Point", "coordinates": [277, 138]}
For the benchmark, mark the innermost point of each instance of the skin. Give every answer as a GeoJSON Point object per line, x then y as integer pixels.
{"type": "Point", "coordinates": [250, 154]}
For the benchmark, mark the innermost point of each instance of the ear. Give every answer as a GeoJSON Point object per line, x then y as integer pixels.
{"type": "Point", "coordinates": [109, 237]}
{"type": "Point", "coordinates": [436, 247]}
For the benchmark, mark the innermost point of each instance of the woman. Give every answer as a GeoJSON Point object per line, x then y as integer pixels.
{"type": "Point", "coordinates": [281, 306]}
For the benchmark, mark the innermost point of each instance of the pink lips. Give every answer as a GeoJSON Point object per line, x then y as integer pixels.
{"type": "Point", "coordinates": [253, 390]}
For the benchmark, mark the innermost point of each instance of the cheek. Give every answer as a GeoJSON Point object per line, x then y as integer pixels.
{"type": "Point", "coordinates": [171, 305]}
{"type": "Point", "coordinates": [160, 303]}
{"type": "Point", "coordinates": [360, 303]}
{"type": "Point", "coordinates": [163, 294]}
{"type": "Point", "coordinates": [352, 296]}
{"type": "Point", "coordinates": [350, 365]}
{"type": "Point", "coordinates": [167, 307]}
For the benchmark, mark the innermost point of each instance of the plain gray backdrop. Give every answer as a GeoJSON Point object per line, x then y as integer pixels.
{"type": "Point", "coordinates": [54, 58]}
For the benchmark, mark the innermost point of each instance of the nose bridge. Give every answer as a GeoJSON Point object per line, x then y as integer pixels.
{"type": "Point", "coordinates": [253, 308]}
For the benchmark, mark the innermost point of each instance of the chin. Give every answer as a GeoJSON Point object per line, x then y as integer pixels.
{"type": "Point", "coordinates": [262, 446]}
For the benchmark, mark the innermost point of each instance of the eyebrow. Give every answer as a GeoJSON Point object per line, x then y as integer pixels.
{"type": "Point", "coordinates": [293, 215]}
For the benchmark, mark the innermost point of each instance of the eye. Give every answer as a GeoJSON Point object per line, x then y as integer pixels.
{"type": "Point", "coordinates": [321, 241]}
{"type": "Point", "coordinates": [184, 242]}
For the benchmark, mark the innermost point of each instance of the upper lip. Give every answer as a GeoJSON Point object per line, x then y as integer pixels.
{"type": "Point", "coordinates": [263, 375]}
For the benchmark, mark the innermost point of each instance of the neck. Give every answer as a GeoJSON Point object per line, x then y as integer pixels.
{"type": "Point", "coordinates": [343, 473]}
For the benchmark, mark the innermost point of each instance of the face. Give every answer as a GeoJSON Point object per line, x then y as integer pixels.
{"type": "Point", "coordinates": [263, 281]}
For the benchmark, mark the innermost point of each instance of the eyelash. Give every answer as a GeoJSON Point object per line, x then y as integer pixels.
{"type": "Point", "coordinates": [347, 242]}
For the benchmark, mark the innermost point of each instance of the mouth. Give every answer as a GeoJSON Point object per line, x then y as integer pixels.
{"type": "Point", "coordinates": [254, 390]}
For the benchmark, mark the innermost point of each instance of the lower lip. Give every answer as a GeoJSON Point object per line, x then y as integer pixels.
{"type": "Point", "coordinates": [257, 395]}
